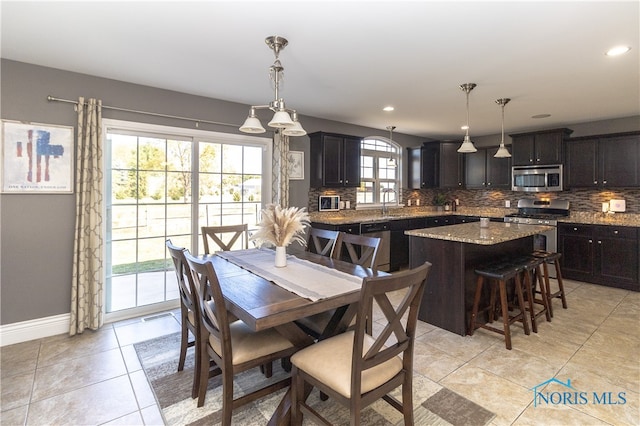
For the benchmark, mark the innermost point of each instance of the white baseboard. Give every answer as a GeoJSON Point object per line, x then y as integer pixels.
{"type": "Point", "coordinates": [34, 329]}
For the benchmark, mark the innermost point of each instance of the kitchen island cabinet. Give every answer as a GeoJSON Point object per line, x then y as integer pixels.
{"type": "Point", "coordinates": [455, 251]}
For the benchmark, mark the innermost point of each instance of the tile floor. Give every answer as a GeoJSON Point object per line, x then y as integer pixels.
{"type": "Point", "coordinates": [95, 378]}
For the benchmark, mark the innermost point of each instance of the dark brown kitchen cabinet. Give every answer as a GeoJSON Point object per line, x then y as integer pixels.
{"type": "Point", "coordinates": [603, 161]}
{"type": "Point", "coordinates": [335, 160]}
{"type": "Point", "coordinates": [537, 148]}
{"type": "Point", "coordinates": [600, 254]}
{"type": "Point", "coordinates": [483, 170]}
{"type": "Point", "coordinates": [435, 165]}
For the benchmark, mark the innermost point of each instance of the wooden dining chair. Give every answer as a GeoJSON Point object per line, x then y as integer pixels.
{"type": "Point", "coordinates": [232, 346]}
{"type": "Point", "coordinates": [321, 241]}
{"type": "Point", "coordinates": [361, 250]}
{"type": "Point", "coordinates": [224, 237]}
{"type": "Point", "coordinates": [356, 369]}
{"type": "Point", "coordinates": [189, 315]}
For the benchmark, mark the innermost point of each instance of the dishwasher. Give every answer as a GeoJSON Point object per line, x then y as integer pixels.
{"type": "Point", "coordinates": [379, 230]}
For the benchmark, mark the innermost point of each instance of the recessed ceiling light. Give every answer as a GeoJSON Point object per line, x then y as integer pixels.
{"type": "Point", "coordinates": [388, 108]}
{"type": "Point", "coordinates": [541, 116]}
{"type": "Point", "coordinates": [618, 50]}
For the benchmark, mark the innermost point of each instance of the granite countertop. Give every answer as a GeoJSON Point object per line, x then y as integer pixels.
{"type": "Point", "coordinates": [362, 216]}
{"type": "Point", "coordinates": [472, 233]}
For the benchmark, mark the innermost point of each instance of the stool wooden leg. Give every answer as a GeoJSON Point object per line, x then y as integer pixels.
{"type": "Point", "coordinates": [530, 299]}
{"type": "Point", "coordinates": [560, 284]}
{"type": "Point", "coordinates": [492, 302]}
{"type": "Point", "coordinates": [523, 310]}
{"type": "Point", "coordinates": [476, 303]}
{"type": "Point", "coordinates": [505, 313]}
{"type": "Point", "coordinates": [547, 286]}
{"type": "Point", "coordinates": [544, 291]}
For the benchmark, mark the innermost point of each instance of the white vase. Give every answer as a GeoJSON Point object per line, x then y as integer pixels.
{"type": "Point", "coordinates": [281, 257]}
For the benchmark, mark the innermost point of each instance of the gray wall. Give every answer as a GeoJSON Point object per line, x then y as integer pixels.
{"type": "Point", "coordinates": [36, 231]}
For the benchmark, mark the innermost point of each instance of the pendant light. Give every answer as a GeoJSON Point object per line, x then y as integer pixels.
{"type": "Point", "coordinates": [289, 124]}
{"type": "Point", "coordinates": [467, 145]}
{"type": "Point", "coordinates": [391, 162]}
{"type": "Point", "coordinates": [502, 152]}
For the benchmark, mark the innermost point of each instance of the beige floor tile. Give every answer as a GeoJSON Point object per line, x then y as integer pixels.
{"type": "Point", "coordinates": [76, 373]}
{"type": "Point", "coordinates": [152, 416]}
{"type": "Point", "coordinates": [515, 365]}
{"type": "Point", "coordinates": [616, 371]}
{"type": "Point", "coordinates": [432, 362]}
{"type": "Point", "coordinates": [16, 390]}
{"type": "Point", "coordinates": [19, 358]}
{"type": "Point", "coordinates": [90, 405]}
{"type": "Point", "coordinates": [461, 347]}
{"type": "Point", "coordinates": [64, 347]}
{"type": "Point", "coordinates": [615, 413]}
{"type": "Point", "coordinates": [16, 416]}
{"type": "Point", "coordinates": [563, 415]}
{"type": "Point", "coordinates": [133, 419]}
{"type": "Point", "coordinates": [131, 358]}
{"type": "Point", "coordinates": [616, 344]}
{"type": "Point", "coordinates": [139, 331]}
{"type": "Point", "coordinates": [501, 396]}
{"type": "Point", "coordinates": [554, 348]}
{"type": "Point", "coordinates": [602, 294]}
{"type": "Point", "coordinates": [142, 389]}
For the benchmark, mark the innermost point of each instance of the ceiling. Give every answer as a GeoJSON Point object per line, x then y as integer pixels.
{"type": "Point", "coordinates": [346, 60]}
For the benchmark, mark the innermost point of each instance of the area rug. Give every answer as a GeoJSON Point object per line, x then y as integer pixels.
{"type": "Point", "coordinates": [433, 404]}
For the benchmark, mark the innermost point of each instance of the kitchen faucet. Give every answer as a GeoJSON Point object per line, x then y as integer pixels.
{"type": "Point", "coordinates": [385, 192]}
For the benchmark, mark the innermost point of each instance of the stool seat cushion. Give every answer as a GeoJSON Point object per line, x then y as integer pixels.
{"type": "Point", "coordinates": [499, 271]}
{"type": "Point", "coordinates": [528, 262]}
{"type": "Point", "coordinates": [547, 255]}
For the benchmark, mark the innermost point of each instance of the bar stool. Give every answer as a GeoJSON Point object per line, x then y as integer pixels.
{"type": "Point", "coordinates": [552, 257]}
{"type": "Point", "coordinates": [531, 271]}
{"type": "Point", "coordinates": [498, 274]}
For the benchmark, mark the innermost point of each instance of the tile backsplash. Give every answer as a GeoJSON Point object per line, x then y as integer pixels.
{"type": "Point", "coordinates": [586, 200]}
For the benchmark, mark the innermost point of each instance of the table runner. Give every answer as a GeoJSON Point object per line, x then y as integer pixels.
{"type": "Point", "coordinates": [302, 277]}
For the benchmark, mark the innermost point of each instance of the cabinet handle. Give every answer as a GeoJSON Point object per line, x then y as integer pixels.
{"type": "Point", "coordinates": [615, 232]}
{"type": "Point", "coordinates": [599, 242]}
{"type": "Point", "coordinates": [595, 182]}
{"type": "Point", "coordinates": [590, 241]}
{"type": "Point", "coordinates": [604, 182]}
{"type": "Point", "coordinates": [489, 184]}
{"type": "Point", "coordinates": [346, 181]}
{"type": "Point", "coordinates": [537, 160]}
{"type": "Point", "coordinates": [575, 229]}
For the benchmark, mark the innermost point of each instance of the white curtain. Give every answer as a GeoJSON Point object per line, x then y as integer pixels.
{"type": "Point", "coordinates": [280, 170]}
{"type": "Point", "coordinates": [87, 281]}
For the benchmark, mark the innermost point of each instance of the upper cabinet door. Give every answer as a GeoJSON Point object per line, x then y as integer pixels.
{"type": "Point", "coordinates": [581, 165]}
{"type": "Point", "coordinates": [619, 161]}
{"type": "Point", "coordinates": [522, 151]}
{"type": "Point", "coordinates": [351, 162]}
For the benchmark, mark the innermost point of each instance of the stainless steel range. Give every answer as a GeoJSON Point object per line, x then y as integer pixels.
{"type": "Point", "coordinates": [538, 211]}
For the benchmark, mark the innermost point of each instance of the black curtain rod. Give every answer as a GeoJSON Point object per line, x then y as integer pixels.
{"type": "Point", "coordinates": [155, 114]}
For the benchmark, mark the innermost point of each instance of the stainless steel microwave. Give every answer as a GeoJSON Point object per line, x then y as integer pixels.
{"type": "Point", "coordinates": [536, 178]}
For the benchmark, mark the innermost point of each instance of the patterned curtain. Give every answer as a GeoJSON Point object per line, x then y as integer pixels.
{"type": "Point", "coordinates": [280, 170]}
{"type": "Point", "coordinates": [87, 281]}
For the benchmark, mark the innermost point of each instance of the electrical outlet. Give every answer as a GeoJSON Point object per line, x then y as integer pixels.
{"type": "Point", "coordinates": [507, 203]}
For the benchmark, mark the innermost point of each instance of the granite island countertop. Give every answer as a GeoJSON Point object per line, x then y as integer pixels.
{"type": "Point", "coordinates": [472, 233]}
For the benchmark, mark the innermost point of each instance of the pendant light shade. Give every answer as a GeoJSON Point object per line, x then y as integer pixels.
{"type": "Point", "coordinates": [252, 124]}
{"type": "Point", "coordinates": [391, 162]}
{"type": "Point", "coordinates": [467, 146]}
{"type": "Point", "coordinates": [502, 152]}
{"type": "Point", "coordinates": [281, 118]}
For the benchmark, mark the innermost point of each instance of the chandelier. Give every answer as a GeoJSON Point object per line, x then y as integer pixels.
{"type": "Point", "coordinates": [281, 119]}
{"type": "Point", "coordinates": [467, 145]}
{"type": "Point", "coordinates": [391, 162]}
{"type": "Point", "coordinates": [502, 152]}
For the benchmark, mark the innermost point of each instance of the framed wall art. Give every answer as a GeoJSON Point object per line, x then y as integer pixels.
{"type": "Point", "coordinates": [37, 158]}
{"type": "Point", "coordinates": [296, 165]}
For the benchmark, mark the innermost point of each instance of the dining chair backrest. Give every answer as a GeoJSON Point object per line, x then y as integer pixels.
{"type": "Point", "coordinates": [224, 237]}
{"type": "Point", "coordinates": [183, 275]}
{"type": "Point", "coordinates": [361, 250]}
{"type": "Point", "coordinates": [210, 302]}
{"type": "Point", "coordinates": [322, 241]}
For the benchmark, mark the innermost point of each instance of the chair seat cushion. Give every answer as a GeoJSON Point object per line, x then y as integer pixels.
{"type": "Point", "coordinates": [247, 344]}
{"type": "Point", "coordinates": [329, 361]}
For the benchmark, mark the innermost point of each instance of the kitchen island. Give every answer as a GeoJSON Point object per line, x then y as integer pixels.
{"type": "Point", "coordinates": [455, 251]}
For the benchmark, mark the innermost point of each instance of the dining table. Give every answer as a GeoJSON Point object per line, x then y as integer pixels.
{"type": "Point", "coordinates": [264, 297]}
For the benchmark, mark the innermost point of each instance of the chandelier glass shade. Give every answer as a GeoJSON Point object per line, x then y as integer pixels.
{"type": "Point", "coordinates": [502, 152]}
{"type": "Point", "coordinates": [467, 146]}
{"type": "Point", "coordinates": [284, 118]}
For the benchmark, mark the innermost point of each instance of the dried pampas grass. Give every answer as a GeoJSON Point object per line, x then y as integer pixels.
{"type": "Point", "coordinates": [280, 227]}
